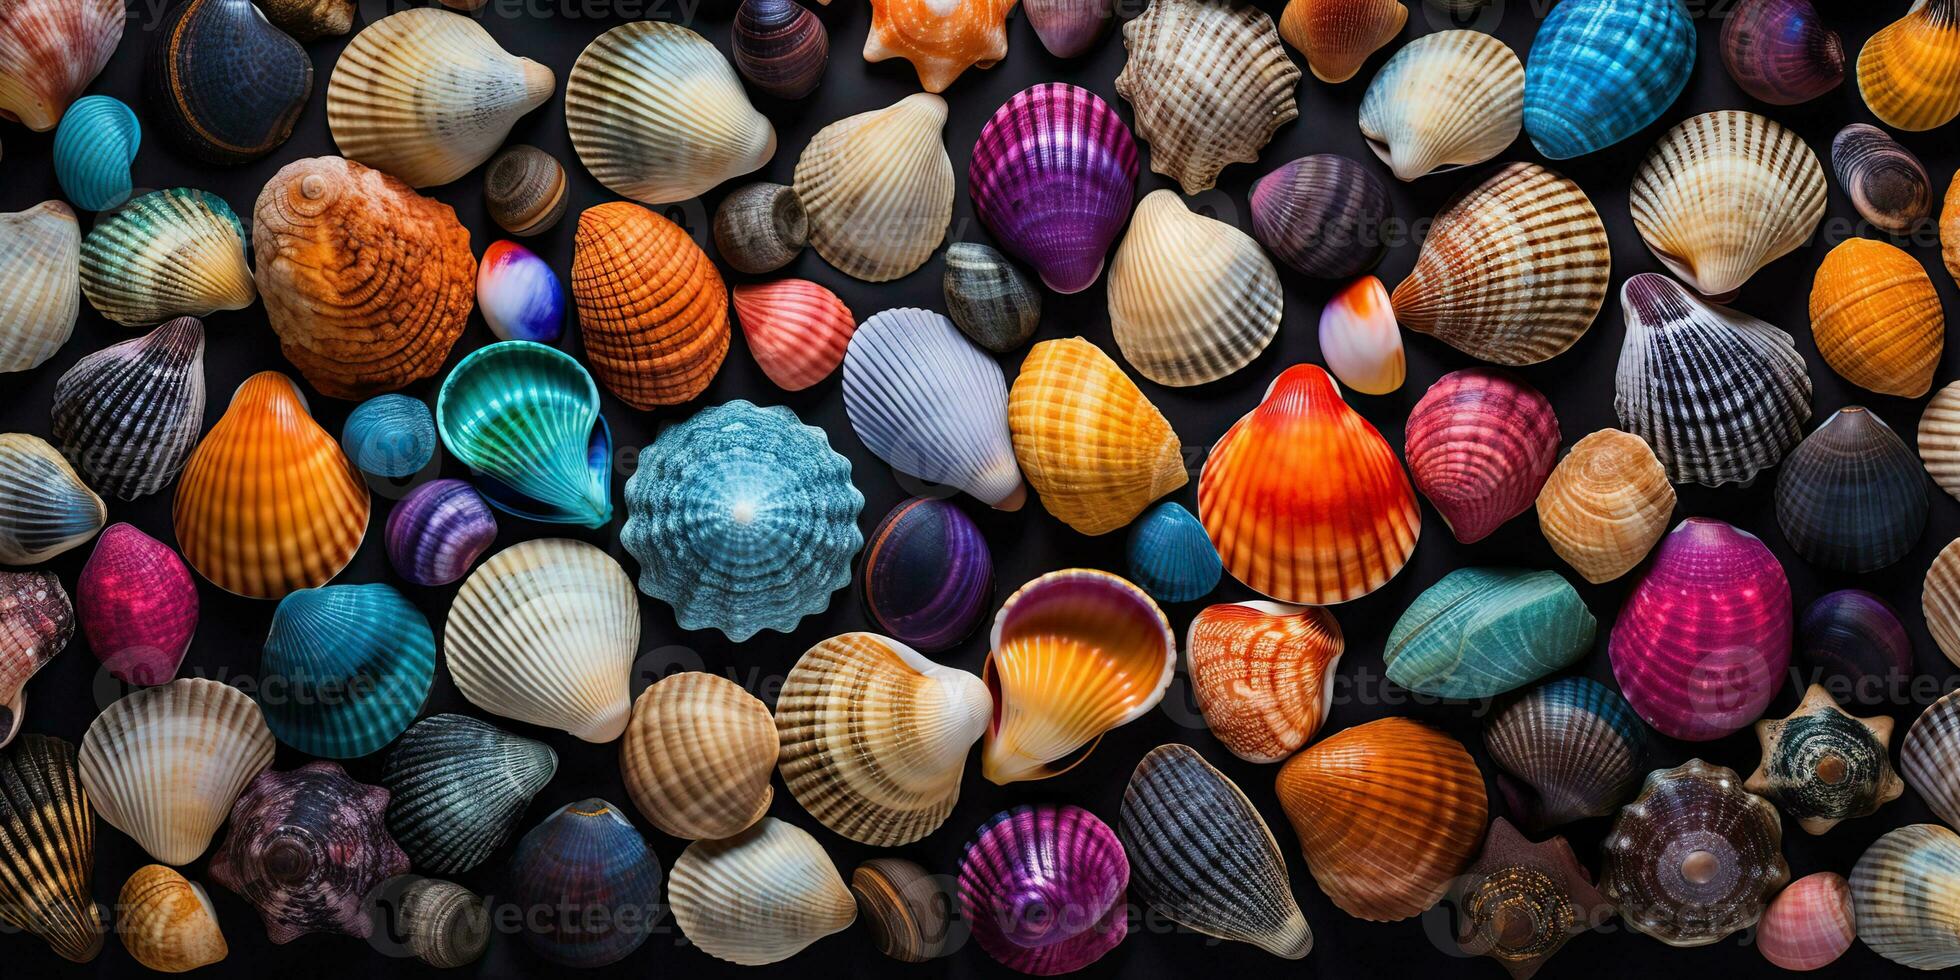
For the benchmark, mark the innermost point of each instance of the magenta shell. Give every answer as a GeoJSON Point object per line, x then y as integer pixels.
{"type": "Point", "coordinates": [137, 606]}
{"type": "Point", "coordinates": [1781, 51]}
{"type": "Point", "coordinates": [1702, 643]}
{"type": "Point", "coordinates": [1042, 889]}
{"type": "Point", "coordinates": [1052, 177]}
{"type": "Point", "coordinates": [437, 531]}
{"type": "Point", "coordinates": [1480, 444]}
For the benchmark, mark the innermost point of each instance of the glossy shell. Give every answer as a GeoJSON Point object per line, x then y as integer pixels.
{"type": "Point", "coordinates": [592, 882]}
{"type": "Point", "coordinates": [1170, 555]}
{"type": "Point", "coordinates": [1809, 924]}
{"type": "Point", "coordinates": [698, 755]}
{"type": "Point", "coordinates": [1905, 71]}
{"type": "Point", "coordinates": [759, 897]}
{"type": "Point", "coordinates": [94, 151]}
{"type": "Point", "coordinates": [1694, 857]}
{"type": "Point", "coordinates": [1191, 299]}
{"type": "Point", "coordinates": [521, 298]}
{"type": "Point", "coordinates": [1821, 765]}
{"type": "Point", "coordinates": [1042, 888]}
{"type": "Point", "coordinates": [1481, 632]}
{"type": "Point", "coordinates": [1569, 749]}
{"type": "Point", "coordinates": [1321, 215]}
{"type": "Point", "coordinates": [137, 605]}
{"type": "Point", "coordinates": [906, 909]}
{"type": "Point", "coordinates": [525, 419]}
{"type": "Point", "coordinates": [1782, 51]}
{"type": "Point", "coordinates": [1068, 28]}
{"type": "Point", "coordinates": [990, 299]}
{"type": "Point", "coordinates": [927, 575]}
{"type": "Point", "coordinates": [47, 847]}
{"type": "Point", "coordinates": [796, 330]}
{"type": "Point", "coordinates": [1877, 318]}
{"type": "Point", "coordinates": [1903, 890]}
{"type": "Point", "coordinates": [1262, 674]}
{"type": "Point", "coordinates": [878, 188]}
{"type": "Point", "coordinates": [1480, 444]}
{"type": "Point", "coordinates": [168, 253]}
{"type": "Point", "coordinates": [940, 40]}
{"type": "Point", "coordinates": [40, 291]}
{"type": "Point", "coordinates": [308, 20]}
{"type": "Point", "coordinates": [437, 531]}
{"type": "Point", "coordinates": [1939, 438]}
{"type": "Point", "coordinates": [45, 509]}
{"type": "Point", "coordinates": [652, 309]}
{"type": "Point", "coordinates": [1940, 601]}
{"type": "Point", "coordinates": [458, 788]}
{"type": "Point", "coordinates": [36, 622]}
{"type": "Point", "coordinates": [1853, 643]}
{"type": "Point", "coordinates": [1605, 505]}
{"type": "Point", "coordinates": [345, 669]}
{"type": "Point", "coordinates": [1360, 340]}
{"type": "Point", "coordinates": [1445, 100]}
{"type": "Point", "coordinates": [390, 436]}
{"type": "Point", "coordinates": [761, 227]}
{"type": "Point", "coordinates": [1521, 901]}
{"type": "Point", "coordinates": [222, 83]}
{"type": "Point", "coordinates": [128, 415]}
{"type": "Point", "coordinates": [1337, 36]}
{"type": "Point", "coordinates": [1851, 497]}
{"type": "Point", "coordinates": [524, 190]}
{"type": "Point", "coordinates": [51, 51]}
{"type": "Point", "coordinates": [780, 47]}
{"type": "Point", "coordinates": [1885, 182]}
{"type": "Point", "coordinates": [167, 922]}
{"type": "Point", "coordinates": [1600, 71]}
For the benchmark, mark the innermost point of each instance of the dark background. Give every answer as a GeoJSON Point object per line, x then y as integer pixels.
{"type": "Point", "coordinates": [65, 697]}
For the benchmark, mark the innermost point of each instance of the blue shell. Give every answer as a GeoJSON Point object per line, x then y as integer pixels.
{"type": "Point", "coordinates": [94, 150]}
{"type": "Point", "coordinates": [589, 886]}
{"type": "Point", "coordinates": [742, 519]}
{"type": "Point", "coordinates": [525, 419]}
{"type": "Point", "coordinates": [346, 668]}
{"type": "Point", "coordinates": [390, 436]}
{"type": "Point", "coordinates": [1171, 556]}
{"type": "Point", "coordinates": [1479, 632]}
{"type": "Point", "coordinates": [1600, 71]}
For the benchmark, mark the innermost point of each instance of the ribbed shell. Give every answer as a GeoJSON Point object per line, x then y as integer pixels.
{"type": "Point", "coordinates": [525, 419]}
{"type": "Point", "coordinates": [169, 253]}
{"type": "Point", "coordinates": [1042, 889]}
{"type": "Point", "coordinates": [1337, 36]}
{"type": "Point", "coordinates": [1322, 215]}
{"type": "Point", "coordinates": [1480, 444]}
{"type": "Point", "coordinates": [1481, 632]}
{"type": "Point", "coordinates": [1068, 28]}
{"type": "Point", "coordinates": [137, 605]}
{"type": "Point", "coordinates": [94, 150]}
{"type": "Point", "coordinates": [1781, 51]}
{"type": "Point", "coordinates": [1885, 182]}
{"type": "Point", "coordinates": [590, 884]}
{"type": "Point", "coordinates": [222, 83]}
{"type": "Point", "coordinates": [780, 47]}
{"type": "Point", "coordinates": [1940, 601]}
{"type": "Point", "coordinates": [49, 52]}
{"type": "Point", "coordinates": [761, 227]}
{"type": "Point", "coordinates": [1170, 556]}
{"type": "Point", "coordinates": [1927, 755]}
{"type": "Point", "coordinates": [1445, 100]}
{"type": "Point", "coordinates": [1877, 319]}
{"type": "Point", "coordinates": [796, 330]}
{"type": "Point", "coordinates": [698, 755]}
{"type": "Point", "coordinates": [167, 923]}
{"type": "Point", "coordinates": [47, 847]}
{"type": "Point", "coordinates": [1600, 71]}
{"type": "Point", "coordinates": [906, 909]}
{"type": "Point", "coordinates": [1809, 924]}
{"type": "Point", "coordinates": [444, 924]}
{"type": "Point", "coordinates": [45, 509]}
{"type": "Point", "coordinates": [1694, 857]}
{"type": "Point", "coordinates": [1605, 505]}
{"type": "Point", "coordinates": [878, 188]}
{"type": "Point", "coordinates": [1262, 674]}
{"type": "Point", "coordinates": [652, 310]}
{"type": "Point", "coordinates": [1851, 497]}
{"type": "Point", "coordinates": [40, 291]}
{"type": "Point", "coordinates": [1191, 299]}
{"type": "Point", "coordinates": [1905, 889]}
{"type": "Point", "coordinates": [989, 298]}
{"type": "Point", "coordinates": [1569, 749]}
{"type": "Point", "coordinates": [457, 788]}
{"type": "Point", "coordinates": [524, 189]}
{"type": "Point", "coordinates": [941, 40]}
{"type": "Point", "coordinates": [36, 622]}
{"type": "Point", "coordinates": [759, 897]}
{"type": "Point", "coordinates": [345, 669]}
{"type": "Point", "coordinates": [1939, 438]}
{"type": "Point", "coordinates": [128, 415]}
{"type": "Point", "coordinates": [1909, 72]}
{"type": "Point", "coordinates": [1822, 766]}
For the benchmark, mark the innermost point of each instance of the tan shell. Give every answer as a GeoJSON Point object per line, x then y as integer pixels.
{"type": "Point", "coordinates": [759, 897]}
{"type": "Point", "coordinates": [1939, 438]}
{"type": "Point", "coordinates": [167, 922]}
{"type": "Point", "coordinates": [40, 283]}
{"type": "Point", "coordinates": [1939, 600]}
{"type": "Point", "coordinates": [698, 755]}
{"type": "Point", "coordinates": [878, 188]}
{"type": "Point", "coordinates": [1606, 504]}
{"type": "Point", "coordinates": [1191, 299]}
{"type": "Point", "coordinates": [1445, 100]}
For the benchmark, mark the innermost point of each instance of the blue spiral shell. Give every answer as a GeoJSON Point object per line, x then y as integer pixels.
{"type": "Point", "coordinates": [1170, 555]}
{"type": "Point", "coordinates": [94, 150]}
{"type": "Point", "coordinates": [1600, 71]}
{"type": "Point", "coordinates": [588, 884]}
{"type": "Point", "coordinates": [390, 436]}
{"type": "Point", "coordinates": [525, 419]}
{"type": "Point", "coordinates": [346, 668]}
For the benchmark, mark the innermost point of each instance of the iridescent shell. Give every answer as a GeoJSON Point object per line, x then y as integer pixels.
{"type": "Point", "coordinates": [940, 40]}
{"type": "Point", "coordinates": [1170, 556]}
{"type": "Point", "coordinates": [698, 755]}
{"type": "Point", "coordinates": [907, 909]}
{"type": "Point", "coordinates": [1480, 445]}
{"type": "Point", "coordinates": [1567, 750]}
{"type": "Point", "coordinates": [1042, 888]}
{"type": "Point", "coordinates": [1521, 901]}
{"type": "Point", "coordinates": [1781, 51]}
{"type": "Point", "coordinates": [128, 415]}
{"type": "Point", "coordinates": [167, 922]}
{"type": "Point", "coordinates": [524, 189]}
{"type": "Point", "coordinates": [1853, 643]}
{"type": "Point", "coordinates": [652, 310]}
{"type": "Point", "coordinates": [1926, 757]}
{"type": "Point", "coordinates": [1191, 299]}
{"type": "Point", "coordinates": [1694, 857]}
{"type": "Point", "coordinates": [1905, 71]}
{"type": "Point", "coordinates": [780, 47]}
{"type": "Point", "coordinates": [927, 575]}
{"type": "Point", "coordinates": [1445, 100]}
{"type": "Point", "coordinates": [878, 188]}
{"type": "Point", "coordinates": [1885, 182]}
{"type": "Point", "coordinates": [168, 253]}
{"type": "Point", "coordinates": [40, 285]}
{"type": "Point", "coordinates": [137, 606]}
{"type": "Point", "coordinates": [45, 509]}
{"type": "Point", "coordinates": [591, 884]}
{"type": "Point", "coordinates": [1600, 71]}
{"type": "Point", "coordinates": [761, 227]}
{"type": "Point", "coordinates": [437, 531]}
{"type": "Point", "coordinates": [1322, 215]}
{"type": "Point", "coordinates": [519, 295]}
{"type": "Point", "coordinates": [1851, 497]}
{"type": "Point", "coordinates": [797, 330]}
{"type": "Point", "coordinates": [1809, 924]}
{"type": "Point", "coordinates": [457, 788]}
{"type": "Point", "coordinates": [1904, 889]}
{"type": "Point", "coordinates": [1605, 505]}
{"type": "Point", "coordinates": [47, 845]}
{"type": "Point", "coordinates": [1821, 765]}
{"type": "Point", "coordinates": [1360, 340]}
{"type": "Point", "coordinates": [94, 149]}
{"type": "Point", "coordinates": [345, 669]}
{"type": "Point", "coordinates": [759, 897]}
{"type": "Point", "coordinates": [1262, 674]}
{"type": "Point", "coordinates": [989, 298]}
{"type": "Point", "coordinates": [36, 622]}
{"type": "Point", "coordinates": [1877, 318]}
{"type": "Point", "coordinates": [1481, 632]}
{"type": "Point", "coordinates": [222, 83]}
{"type": "Point", "coordinates": [49, 52]}
{"type": "Point", "coordinates": [525, 419]}
{"type": "Point", "coordinates": [390, 436]}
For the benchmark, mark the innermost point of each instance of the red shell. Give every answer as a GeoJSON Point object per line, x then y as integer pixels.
{"type": "Point", "coordinates": [797, 330]}
{"type": "Point", "coordinates": [1480, 444]}
{"type": "Point", "coordinates": [137, 605]}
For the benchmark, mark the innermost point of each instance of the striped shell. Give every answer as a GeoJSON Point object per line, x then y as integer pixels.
{"type": "Point", "coordinates": [907, 909]}
{"type": "Point", "coordinates": [1569, 749]}
{"type": "Point", "coordinates": [759, 897]}
{"type": "Point", "coordinates": [1480, 444]}
{"type": "Point", "coordinates": [1905, 889]}
{"type": "Point", "coordinates": [1877, 319]}
{"type": "Point", "coordinates": [652, 310]}
{"type": "Point", "coordinates": [458, 787]}
{"type": "Point", "coordinates": [167, 923]}
{"type": "Point", "coordinates": [40, 291]}
{"type": "Point", "coordinates": [1939, 438]}
{"type": "Point", "coordinates": [524, 189]}
{"type": "Point", "coordinates": [698, 755]}
{"type": "Point", "coordinates": [128, 415]}
{"type": "Point", "coordinates": [1884, 180]}
{"type": "Point", "coordinates": [878, 188]}
{"type": "Point", "coordinates": [47, 847]}
{"type": "Point", "coordinates": [37, 620]}
{"type": "Point", "coordinates": [1445, 100]}
{"type": "Point", "coordinates": [50, 50]}
{"type": "Point", "coordinates": [1262, 674]}
{"type": "Point", "coordinates": [1850, 497]}
{"type": "Point", "coordinates": [1482, 632]}
{"type": "Point", "coordinates": [1191, 299]}
{"type": "Point", "coordinates": [797, 330]}
{"type": "Point", "coordinates": [1926, 757]}
{"type": "Point", "coordinates": [1605, 505]}
{"type": "Point", "coordinates": [761, 227]}
{"type": "Point", "coordinates": [168, 253]}
{"type": "Point", "coordinates": [137, 605]}
{"type": "Point", "coordinates": [45, 509]}
{"type": "Point", "coordinates": [1809, 924]}
{"type": "Point", "coordinates": [1906, 71]}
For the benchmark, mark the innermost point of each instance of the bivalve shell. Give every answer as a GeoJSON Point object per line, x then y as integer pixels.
{"type": "Point", "coordinates": [1042, 888]}
{"type": "Point", "coordinates": [878, 188]}
{"type": "Point", "coordinates": [1851, 497]}
{"type": "Point", "coordinates": [797, 330]}
{"type": "Point", "coordinates": [1877, 319]}
{"type": "Point", "coordinates": [50, 50]}
{"type": "Point", "coordinates": [991, 300]}
{"type": "Point", "coordinates": [1262, 674]}
{"type": "Point", "coordinates": [457, 788]}
{"type": "Point", "coordinates": [780, 47]}
{"type": "Point", "coordinates": [1445, 100]}
{"type": "Point", "coordinates": [47, 847]}
{"type": "Point", "coordinates": [652, 309]}
{"type": "Point", "coordinates": [1191, 299]}
{"type": "Point", "coordinates": [525, 419]}
{"type": "Point", "coordinates": [169, 253]}
{"type": "Point", "coordinates": [1809, 924]}
{"type": "Point", "coordinates": [927, 575]}
{"type": "Point", "coordinates": [45, 508]}
{"type": "Point", "coordinates": [137, 605]}
{"type": "Point", "coordinates": [1322, 215]}
{"type": "Point", "coordinates": [1605, 505]}
{"type": "Point", "coordinates": [128, 415]}
{"type": "Point", "coordinates": [94, 150]}
{"type": "Point", "coordinates": [223, 83]}
{"type": "Point", "coordinates": [1782, 52]}
{"type": "Point", "coordinates": [1567, 750]}
{"type": "Point", "coordinates": [345, 669]}
{"type": "Point", "coordinates": [1903, 890]}
{"type": "Point", "coordinates": [167, 923]}
{"type": "Point", "coordinates": [907, 909]}
{"type": "Point", "coordinates": [1481, 632]}
{"type": "Point", "coordinates": [1886, 183]}
{"type": "Point", "coordinates": [698, 755]}
{"type": "Point", "coordinates": [1906, 70]}
{"type": "Point", "coordinates": [40, 285]}
{"type": "Point", "coordinates": [759, 897]}
{"type": "Point", "coordinates": [1600, 71]}
{"type": "Point", "coordinates": [1480, 445]}
{"type": "Point", "coordinates": [590, 883]}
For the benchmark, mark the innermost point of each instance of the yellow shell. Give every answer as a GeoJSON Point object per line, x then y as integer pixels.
{"type": "Point", "coordinates": [1877, 319]}
{"type": "Point", "coordinates": [167, 922]}
{"type": "Point", "coordinates": [698, 755]}
{"type": "Point", "coordinates": [1909, 72]}
{"type": "Point", "coordinates": [878, 188]}
{"type": "Point", "coordinates": [1191, 299]}
{"type": "Point", "coordinates": [1606, 504]}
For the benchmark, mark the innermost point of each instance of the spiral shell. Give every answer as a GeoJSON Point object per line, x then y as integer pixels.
{"type": "Point", "coordinates": [780, 47]}
{"type": "Point", "coordinates": [761, 227]}
{"type": "Point", "coordinates": [524, 189]}
{"type": "Point", "coordinates": [1605, 505]}
{"type": "Point", "coordinates": [907, 910]}
{"type": "Point", "coordinates": [994, 303]}
{"type": "Point", "coordinates": [1262, 674]}
{"type": "Point", "coordinates": [1521, 901]}
{"type": "Point", "coordinates": [40, 292]}
{"type": "Point", "coordinates": [444, 924]}
{"type": "Point", "coordinates": [94, 150]}
{"type": "Point", "coordinates": [1191, 299]}
{"type": "Point", "coordinates": [878, 188]}
{"type": "Point", "coordinates": [927, 575]}
{"type": "Point", "coordinates": [1822, 765]}
{"type": "Point", "coordinates": [128, 415]}
{"type": "Point", "coordinates": [167, 922]}
{"type": "Point", "coordinates": [1445, 100]}
{"type": "Point", "coordinates": [697, 757]}
{"type": "Point", "coordinates": [1567, 750]}
{"type": "Point", "coordinates": [1042, 887]}
{"type": "Point", "coordinates": [652, 310]}
{"type": "Point", "coordinates": [1851, 497]}
{"type": "Point", "coordinates": [1877, 319]}
{"type": "Point", "coordinates": [759, 897]}
{"type": "Point", "coordinates": [169, 253]}
{"type": "Point", "coordinates": [390, 436]}
{"type": "Point", "coordinates": [36, 622]}
{"type": "Point", "coordinates": [458, 787]}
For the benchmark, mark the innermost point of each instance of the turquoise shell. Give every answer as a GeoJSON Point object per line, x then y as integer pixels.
{"type": "Point", "coordinates": [1171, 556]}
{"type": "Point", "coordinates": [94, 150]}
{"type": "Point", "coordinates": [1600, 71]}
{"type": "Point", "coordinates": [525, 419]}
{"type": "Point", "coordinates": [1483, 631]}
{"type": "Point", "coordinates": [390, 436]}
{"type": "Point", "coordinates": [346, 668]}
{"type": "Point", "coordinates": [742, 519]}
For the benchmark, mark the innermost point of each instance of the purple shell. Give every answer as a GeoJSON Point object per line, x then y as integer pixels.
{"type": "Point", "coordinates": [926, 574]}
{"type": "Point", "coordinates": [1781, 52]}
{"type": "Point", "coordinates": [1322, 215]}
{"type": "Point", "coordinates": [1853, 643]}
{"type": "Point", "coordinates": [1053, 175]}
{"type": "Point", "coordinates": [780, 47]}
{"type": "Point", "coordinates": [1703, 641]}
{"type": "Point", "coordinates": [437, 531]}
{"type": "Point", "coordinates": [1068, 28]}
{"type": "Point", "coordinates": [306, 847]}
{"type": "Point", "coordinates": [1042, 889]}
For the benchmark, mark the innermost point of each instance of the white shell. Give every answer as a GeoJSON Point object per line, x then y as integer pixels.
{"type": "Point", "coordinates": [878, 188]}
{"type": "Point", "coordinates": [759, 897]}
{"type": "Point", "coordinates": [40, 283]}
{"type": "Point", "coordinates": [1360, 340]}
{"type": "Point", "coordinates": [1191, 299]}
{"type": "Point", "coordinates": [1446, 100]}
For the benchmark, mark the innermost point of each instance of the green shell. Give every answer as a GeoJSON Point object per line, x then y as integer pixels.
{"type": "Point", "coordinates": [1483, 631]}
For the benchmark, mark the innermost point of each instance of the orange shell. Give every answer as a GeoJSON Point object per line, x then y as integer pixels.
{"type": "Point", "coordinates": [1876, 318]}
{"type": "Point", "coordinates": [652, 311]}
{"type": "Point", "coordinates": [1262, 673]}
{"type": "Point", "coordinates": [1387, 814]}
{"type": "Point", "coordinates": [938, 41]}
{"type": "Point", "coordinates": [1950, 229]}
{"type": "Point", "coordinates": [267, 503]}
{"type": "Point", "coordinates": [797, 330]}
{"type": "Point", "coordinates": [1304, 499]}
{"type": "Point", "coordinates": [1337, 36]}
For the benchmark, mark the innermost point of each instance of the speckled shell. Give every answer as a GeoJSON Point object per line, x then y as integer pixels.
{"type": "Point", "coordinates": [1904, 889]}
{"type": "Point", "coordinates": [1885, 182]}
{"type": "Point", "coordinates": [698, 755]}
{"type": "Point", "coordinates": [1322, 215]}
{"type": "Point", "coordinates": [437, 531]}
{"type": "Point", "coordinates": [1852, 642]}
{"type": "Point", "coordinates": [1877, 319]}
{"type": "Point", "coordinates": [177, 252]}
{"type": "Point", "coordinates": [1781, 51]}
{"type": "Point", "coordinates": [878, 188]}
{"type": "Point", "coordinates": [991, 300]}
{"type": "Point", "coordinates": [525, 191]}
{"type": "Point", "coordinates": [45, 509]}
{"type": "Point", "coordinates": [1445, 100]}
{"type": "Point", "coordinates": [137, 605]}
{"type": "Point", "coordinates": [525, 419]}
{"type": "Point", "coordinates": [1337, 36]}
{"type": "Point", "coordinates": [1605, 505]}
{"type": "Point", "coordinates": [907, 910]}
{"type": "Point", "coordinates": [591, 883]}
{"type": "Point", "coordinates": [1567, 750]}
{"type": "Point", "coordinates": [1905, 71]}
{"type": "Point", "coordinates": [1940, 601]}
{"type": "Point", "coordinates": [167, 923]}
{"type": "Point", "coordinates": [796, 329]}
{"type": "Point", "coordinates": [927, 575]}
{"type": "Point", "coordinates": [94, 149]}
{"type": "Point", "coordinates": [40, 286]}
{"type": "Point", "coordinates": [1600, 71]}
{"type": "Point", "coordinates": [518, 294]}
{"type": "Point", "coordinates": [1851, 497]}
{"type": "Point", "coordinates": [390, 436]}
{"type": "Point", "coordinates": [1809, 924]}
{"type": "Point", "coordinates": [458, 787]}
{"type": "Point", "coordinates": [128, 415]}
{"type": "Point", "coordinates": [759, 897]}
{"type": "Point", "coordinates": [47, 847]}
{"type": "Point", "coordinates": [1191, 299]}
{"type": "Point", "coordinates": [780, 47]}
{"type": "Point", "coordinates": [940, 39]}
{"type": "Point", "coordinates": [49, 52]}
{"type": "Point", "coordinates": [345, 669]}
{"type": "Point", "coordinates": [1262, 674]}
{"type": "Point", "coordinates": [36, 622]}
{"type": "Point", "coordinates": [1481, 632]}
{"type": "Point", "coordinates": [1821, 765]}
{"type": "Point", "coordinates": [309, 20]}
{"type": "Point", "coordinates": [222, 83]}
{"type": "Point", "coordinates": [652, 310]}
{"type": "Point", "coordinates": [1042, 888]}
{"type": "Point", "coordinates": [1480, 444]}
{"type": "Point", "coordinates": [1926, 757]}
{"type": "Point", "coordinates": [761, 227]}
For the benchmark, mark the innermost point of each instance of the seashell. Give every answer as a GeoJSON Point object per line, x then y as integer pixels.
{"type": "Point", "coordinates": [1781, 52]}
{"type": "Point", "coordinates": [658, 115]}
{"type": "Point", "coordinates": [1605, 505]}
{"type": "Point", "coordinates": [1905, 71]}
{"type": "Point", "coordinates": [1262, 674]}
{"type": "Point", "coordinates": [993, 302]}
{"type": "Point", "coordinates": [1851, 497]}
{"type": "Point", "coordinates": [137, 606]}
{"type": "Point", "coordinates": [1203, 857]}
{"type": "Point", "coordinates": [1809, 924]}
{"type": "Point", "coordinates": [1694, 857]}
{"type": "Point", "coordinates": [165, 764]}
{"type": "Point", "coordinates": [457, 787]}
{"type": "Point", "coordinates": [1446, 100]}
{"type": "Point", "coordinates": [128, 415]}
{"type": "Point", "coordinates": [1322, 215]}
{"type": "Point", "coordinates": [1387, 813]}
{"type": "Point", "coordinates": [519, 295]}
{"type": "Point", "coordinates": [1337, 36]}
{"type": "Point", "coordinates": [50, 50]}
{"type": "Point", "coordinates": [390, 436]}
{"type": "Point", "coordinates": [1051, 177]}
{"type": "Point", "coordinates": [1927, 755]}
{"type": "Point", "coordinates": [1068, 28]}
{"type": "Point", "coordinates": [545, 632]}
{"type": "Point", "coordinates": [1821, 765]}
{"type": "Point", "coordinates": [94, 150]}
{"type": "Point", "coordinates": [1042, 888]}
{"type": "Point", "coordinates": [1569, 749]}
{"type": "Point", "coordinates": [591, 882]}
{"type": "Point", "coordinates": [36, 622]}
{"type": "Point", "coordinates": [310, 20]}
{"type": "Point", "coordinates": [1074, 655]}
{"type": "Point", "coordinates": [1600, 71]}
{"type": "Point", "coordinates": [1902, 890]}
{"type": "Point", "coordinates": [780, 47]}
{"type": "Point", "coordinates": [44, 507]}
{"type": "Point", "coordinates": [875, 737]}
{"type": "Point", "coordinates": [762, 227]}
{"type": "Point", "coordinates": [927, 576]}
{"type": "Point", "coordinates": [1170, 556]}
{"type": "Point", "coordinates": [525, 419]}
{"type": "Point", "coordinates": [1098, 465]}
{"type": "Point", "coordinates": [444, 924]}
{"type": "Point", "coordinates": [698, 754]}
{"type": "Point", "coordinates": [759, 897]}
{"type": "Point", "coordinates": [524, 190]}
{"type": "Point", "coordinates": [1513, 271]}
{"type": "Point", "coordinates": [1940, 602]}
{"type": "Point", "coordinates": [1877, 319]}
{"type": "Point", "coordinates": [167, 923]}
{"type": "Point", "coordinates": [1719, 395]}
{"type": "Point", "coordinates": [170, 253]}
{"type": "Point", "coordinates": [1702, 642]}
{"type": "Point", "coordinates": [797, 330]}
{"type": "Point", "coordinates": [47, 840]}
{"type": "Point", "coordinates": [437, 531]}
{"type": "Point", "coordinates": [268, 503]}
{"type": "Point", "coordinates": [1480, 445]}
{"type": "Point", "coordinates": [1853, 642]}
{"type": "Point", "coordinates": [742, 519]}
{"type": "Point", "coordinates": [1481, 632]}
{"type": "Point", "coordinates": [1886, 183]}
{"type": "Point", "coordinates": [1360, 340]}
{"type": "Point", "coordinates": [931, 405]}
{"type": "Point", "coordinates": [1348, 533]}
{"type": "Point", "coordinates": [904, 907]}
{"type": "Point", "coordinates": [1520, 902]}
{"type": "Point", "coordinates": [367, 283]}
{"type": "Point", "coordinates": [1191, 299]}
{"type": "Point", "coordinates": [1950, 231]}
{"type": "Point", "coordinates": [1209, 83]}
{"type": "Point", "coordinates": [940, 40]}
{"type": "Point", "coordinates": [345, 669]}
{"type": "Point", "coordinates": [1939, 438]}
{"type": "Point", "coordinates": [652, 310]}
{"type": "Point", "coordinates": [878, 188]}
{"type": "Point", "coordinates": [222, 83]}
{"type": "Point", "coordinates": [40, 292]}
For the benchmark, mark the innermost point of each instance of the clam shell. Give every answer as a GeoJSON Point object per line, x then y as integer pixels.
{"type": "Point", "coordinates": [457, 787]}
{"type": "Point", "coordinates": [592, 883]}
{"type": "Point", "coordinates": [1940, 601]}
{"type": "Point", "coordinates": [524, 189]}
{"type": "Point", "coordinates": [1950, 230]}
{"type": "Point", "coordinates": [1170, 556]}
{"type": "Point", "coordinates": [444, 924]}
{"type": "Point", "coordinates": [167, 923]}
{"type": "Point", "coordinates": [1446, 100]}
{"type": "Point", "coordinates": [1851, 497]}
{"type": "Point", "coordinates": [128, 415]}
{"type": "Point", "coordinates": [94, 149]}
{"type": "Point", "coordinates": [169, 253]}
{"type": "Point", "coordinates": [1360, 340]}
{"type": "Point", "coordinates": [1042, 888]}
{"type": "Point", "coordinates": [36, 622]}
{"type": "Point", "coordinates": [761, 227]}
{"type": "Point", "coordinates": [1939, 438]}
{"type": "Point", "coordinates": [1068, 28]}
{"type": "Point", "coordinates": [1521, 901]}
{"type": "Point", "coordinates": [1262, 674]}
{"type": "Point", "coordinates": [1481, 632]}
{"type": "Point", "coordinates": [1903, 890]}
{"type": "Point", "coordinates": [1569, 749]}
{"type": "Point", "coordinates": [698, 754]}
{"type": "Point", "coordinates": [40, 292]}
{"type": "Point", "coordinates": [44, 507]}
{"type": "Point", "coordinates": [1191, 299]}
{"type": "Point", "coordinates": [390, 436]}
{"type": "Point", "coordinates": [525, 419]}
{"type": "Point", "coordinates": [1886, 183]}
{"type": "Point", "coordinates": [1781, 52]}
{"type": "Point", "coordinates": [652, 310]}
{"type": "Point", "coordinates": [1694, 857]}
{"type": "Point", "coordinates": [780, 47]}
{"type": "Point", "coordinates": [137, 606]}
{"type": "Point", "coordinates": [49, 52]}
{"type": "Point", "coordinates": [1822, 766]}
{"type": "Point", "coordinates": [993, 302]}
{"type": "Point", "coordinates": [1905, 71]}
{"type": "Point", "coordinates": [878, 188]}
{"type": "Point", "coordinates": [1877, 319]}
{"type": "Point", "coordinates": [759, 897]}
{"type": "Point", "coordinates": [1809, 924]}
{"type": "Point", "coordinates": [1852, 642]}
{"type": "Point", "coordinates": [1337, 36]}
{"type": "Point", "coordinates": [345, 669]}
{"type": "Point", "coordinates": [1600, 71]}
{"type": "Point", "coordinates": [797, 330]}
{"type": "Point", "coordinates": [1605, 505]}
{"type": "Point", "coordinates": [222, 83]}
{"type": "Point", "coordinates": [521, 298]}
{"type": "Point", "coordinates": [904, 907]}
{"type": "Point", "coordinates": [310, 20]}
{"type": "Point", "coordinates": [941, 40]}
{"type": "Point", "coordinates": [47, 847]}
{"type": "Point", "coordinates": [927, 575]}
{"type": "Point", "coordinates": [1480, 445]}
{"type": "Point", "coordinates": [1322, 215]}
{"type": "Point", "coordinates": [437, 531]}
{"type": "Point", "coordinates": [1926, 757]}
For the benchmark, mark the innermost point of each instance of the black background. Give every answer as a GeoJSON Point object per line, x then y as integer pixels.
{"type": "Point", "coordinates": [65, 697]}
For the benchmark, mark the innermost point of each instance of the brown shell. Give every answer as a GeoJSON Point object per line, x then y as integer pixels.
{"type": "Point", "coordinates": [652, 310]}
{"type": "Point", "coordinates": [905, 908]}
{"type": "Point", "coordinates": [167, 922]}
{"type": "Point", "coordinates": [698, 755]}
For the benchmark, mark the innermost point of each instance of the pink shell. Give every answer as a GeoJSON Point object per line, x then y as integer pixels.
{"type": "Point", "coordinates": [137, 606]}
{"type": "Point", "coordinates": [796, 329]}
{"type": "Point", "coordinates": [1480, 444]}
{"type": "Point", "coordinates": [1703, 642]}
{"type": "Point", "coordinates": [1810, 924]}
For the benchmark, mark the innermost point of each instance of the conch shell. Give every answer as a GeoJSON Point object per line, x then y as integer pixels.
{"type": "Point", "coordinates": [652, 310]}
{"type": "Point", "coordinates": [878, 188]}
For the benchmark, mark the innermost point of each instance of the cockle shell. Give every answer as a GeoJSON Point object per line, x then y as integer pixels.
{"type": "Point", "coordinates": [49, 52]}
{"type": "Point", "coordinates": [1042, 888]}
{"type": "Point", "coordinates": [36, 622]}
{"type": "Point", "coordinates": [1209, 83]}
{"type": "Point", "coordinates": [128, 415]}
{"type": "Point", "coordinates": [45, 509]}
{"type": "Point", "coordinates": [1481, 632]}
{"type": "Point", "coordinates": [47, 846]}
{"type": "Point", "coordinates": [878, 188]}
{"type": "Point", "coordinates": [1387, 813]}
{"type": "Point", "coordinates": [1328, 540]}
{"type": "Point", "coordinates": [780, 47]}
{"type": "Point", "coordinates": [1877, 319]}
{"type": "Point", "coordinates": [1694, 857]}
{"type": "Point", "coordinates": [1360, 340]}
{"type": "Point", "coordinates": [457, 787]}
{"type": "Point", "coordinates": [222, 83]}
{"type": "Point", "coordinates": [761, 227]}
{"type": "Point", "coordinates": [1851, 497]}
{"type": "Point", "coordinates": [524, 189]}
{"type": "Point", "coordinates": [1600, 71]}
{"type": "Point", "coordinates": [1191, 299]}
{"type": "Point", "coordinates": [1322, 215]}
{"type": "Point", "coordinates": [436, 532]}
{"type": "Point", "coordinates": [1337, 36]}
{"type": "Point", "coordinates": [1885, 182]}
{"type": "Point", "coordinates": [310, 20]}
{"type": "Point", "coordinates": [367, 283]}
{"type": "Point", "coordinates": [1939, 438]}
{"type": "Point", "coordinates": [40, 291]}
{"type": "Point", "coordinates": [1170, 556]}
{"type": "Point", "coordinates": [167, 923]}
{"type": "Point", "coordinates": [1852, 642]}
{"type": "Point", "coordinates": [990, 299]}
{"type": "Point", "coordinates": [392, 437]}
{"type": "Point", "coordinates": [1446, 100]}
{"type": "Point", "coordinates": [1605, 505]}
{"type": "Point", "coordinates": [519, 295]}
{"type": "Point", "coordinates": [345, 669]}
{"type": "Point", "coordinates": [927, 575]}
{"type": "Point", "coordinates": [658, 115]}
{"type": "Point", "coordinates": [1567, 750]}
{"type": "Point", "coordinates": [797, 330]}
{"type": "Point", "coordinates": [94, 149]}
{"type": "Point", "coordinates": [1480, 444]}
{"type": "Point", "coordinates": [1940, 601]}
{"type": "Point", "coordinates": [1262, 674]}
{"type": "Point", "coordinates": [907, 910]}
{"type": "Point", "coordinates": [759, 897]}
{"type": "Point", "coordinates": [1903, 890]}
{"type": "Point", "coordinates": [590, 885]}
{"type": "Point", "coordinates": [442, 923]}
{"type": "Point", "coordinates": [1927, 756]}
{"type": "Point", "coordinates": [652, 310]}
{"type": "Point", "coordinates": [169, 253]}
{"type": "Point", "coordinates": [698, 755]}
{"type": "Point", "coordinates": [1520, 901]}
{"type": "Point", "coordinates": [1905, 71]}
{"type": "Point", "coordinates": [137, 606]}
{"type": "Point", "coordinates": [1068, 28]}
{"type": "Point", "coordinates": [1781, 51]}
{"type": "Point", "coordinates": [525, 419]}
{"type": "Point", "coordinates": [1809, 924]}
{"type": "Point", "coordinates": [1821, 765]}
{"type": "Point", "coordinates": [940, 39]}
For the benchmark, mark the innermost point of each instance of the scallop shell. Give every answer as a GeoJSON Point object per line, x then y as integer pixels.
{"type": "Point", "coordinates": [780, 47]}
{"type": "Point", "coordinates": [1042, 888]}
{"type": "Point", "coordinates": [525, 419]}
{"type": "Point", "coordinates": [1886, 183]}
{"type": "Point", "coordinates": [589, 883]}
{"type": "Point", "coordinates": [1903, 890]}
{"type": "Point", "coordinates": [1822, 766]}
{"type": "Point", "coordinates": [128, 415]}
{"type": "Point", "coordinates": [1360, 340]}
{"type": "Point", "coordinates": [1323, 215]}
{"type": "Point", "coordinates": [1191, 299]}
{"type": "Point", "coordinates": [44, 507]}
{"type": "Point", "coordinates": [167, 923]}
{"type": "Point", "coordinates": [1521, 901]}
{"type": "Point", "coordinates": [40, 292]}
{"type": "Point", "coordinates": [759, 897]}
{"type": "Point", "coordinates": [36, 622]}
{"type": "Point", "coordinates": [1600, 71]}
{"type": "Point", "coordinates": [521, 298]}
{"type": "Point", "coordinates": [878, 188]}
{"type": "Point", "coordinates": [1851, 497]}
{"type": "Point", "coordinates": [1481, 632]}
{"type": "Point", "coordinates": [310, 20]}
{"type": "Point", "coordinates": [1446, 100]}
{"type": "Point", "coordinates": [993, 302]}
{"type": "Point", "coordinates": [47, 846]}
{"type": "Point", "coordinates": [1569, 749]}
{"type": "Point", "coordinates": [137, 606]}
{"type": "Point", "coordinates": [444, 924]}
{"type": "Point", "coordinates": [1809, 924]}
{"type": "Point", "coordinates": [906, 909]}
{"type": "Point", "coordinates": [927, 576]}
{"type": "Point", "coordinates": [1877, 319]}
{"type": "Point", "coordinates": [1781, 51]}
{"type": "Point", "coordinates": [1170, 556]}
{"type": "Point", "coordinates": [457, 788]}
{"type": "Point", "coordinates": [1068, 28]}
{"type": "Point", "coordinates": [1906, 70]}
{"type": "Point", "coordinates": [652, 310]}
{"type": "Point", "coordinates": [1262, 674]}
{"type": "Point", "coordinates": [1927, 756]}
{"type": "Point", "coordinates": [1852, 642]}
{"type": "Point", "coordinates": [1939, 438]}
{"type": "Point", "coordinates": [797, 330]}
{"type": "Point", "coordinates": [345, 669]}
{"type": "Point", "coordinates": [222, 83]}
{"type": "Point", "coordinates": [1940, 602]}
{"type": "Point", "coordinates": [698, 755]}
{"type": "Point", "coordinates": [390, 436]}
{"type": "Point", "coordinates": [169, 253]}
{"type": "Point", "coordinates": [1480, 445]}
{"type": "Point", "coordinates": [50, 50]}
{"type": "Point", "coordinates": [1694, 857]}
{"type": "Point", "coordinates": [761, 227]}
{"type": "Point", "coordinates": [94, 149]}
{"type": "Point", "coordinates": [1337, 36]}
{"type": "Point", "coordinates": [1605, 505]}
{"type": "Point", "coordinates": [941, 40]}
{"type": "Point", "coordinates": [524, 190]}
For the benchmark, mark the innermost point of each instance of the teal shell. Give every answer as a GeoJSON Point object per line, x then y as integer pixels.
{"type": "Point", "coordinates": [390, 436]}
{"type": "Point", "coordinates": [525, 419]}
{"type": "Point", "coordinates": [93, 152]}
{"type": "Point", "coordinates": [346, 668]}
{"type": "Point", "coordinates": [1170, 555]}
{"type": "Point", "coordinates": [1483, 631]}
{"type": "Point", "coordinates": [1600, 71]}
{"type": "Point", "coordinates": [742, 519]}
